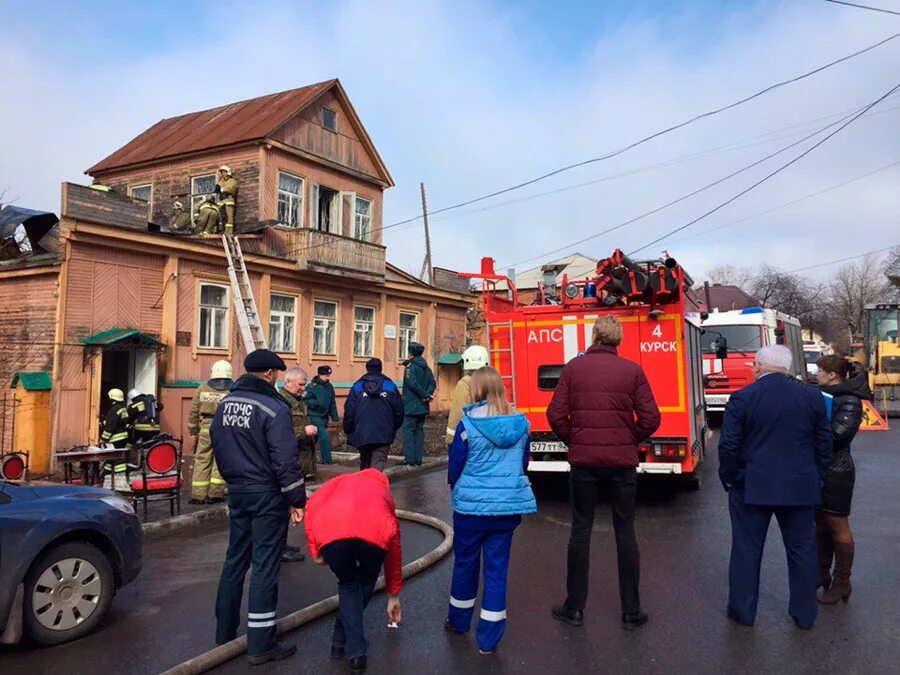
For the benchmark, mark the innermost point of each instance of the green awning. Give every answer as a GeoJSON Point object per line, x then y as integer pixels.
{"type": "Point", "coordinates": [451, 359]}
{"type": "Point", "coordinates": [181, 384]}
{"type": "Point", "coordinates": [39, 381]}
{"type": "Point", "coordinates": [114, 335]}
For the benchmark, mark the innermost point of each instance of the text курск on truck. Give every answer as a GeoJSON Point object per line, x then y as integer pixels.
{"type": "Point", "coordinates": [530, 344]}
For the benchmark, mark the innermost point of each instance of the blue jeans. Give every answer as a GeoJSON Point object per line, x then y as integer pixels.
{"type": "Point", "coordinates": [414, 439]}
{"type": "Point", "coordinates": [356, 564]}
{"type": "Point", "coordinates": [468, 548]}
{"type": "Point", "coordinates": [322, 437]}
{"type": "Point", "coordinates": [259, 524]}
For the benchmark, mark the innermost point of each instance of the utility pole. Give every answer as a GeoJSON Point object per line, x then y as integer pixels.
{"type": "Point", "coordinates": [426, 265]}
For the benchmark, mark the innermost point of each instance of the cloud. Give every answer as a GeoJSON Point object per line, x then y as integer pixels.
{"type": "Point", "coordinates": [475, 97]}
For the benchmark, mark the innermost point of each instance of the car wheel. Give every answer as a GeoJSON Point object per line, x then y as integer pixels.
{"type": "Point", "coordinates": [67, 591]}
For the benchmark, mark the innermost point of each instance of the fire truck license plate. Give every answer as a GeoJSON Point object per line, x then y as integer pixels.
{"type": "Point", "coordinates": [547, 446]}
{"type": "Point", "coordinates": [717, 399]}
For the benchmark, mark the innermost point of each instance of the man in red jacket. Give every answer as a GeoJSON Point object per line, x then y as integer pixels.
{"type": "Point", "coordinates": [603, 410]}
{"type": "Point", "coordinates": [351, 524]}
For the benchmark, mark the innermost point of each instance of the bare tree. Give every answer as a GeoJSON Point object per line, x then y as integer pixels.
{"type": "Point", "coordinates": [852, 287]}
{"type": "Point", "coordinates": [731, 275]}
{"type": "Point", "coordinates": [892, 267]}
{"type": "Point", "coordinates": [786, 292]}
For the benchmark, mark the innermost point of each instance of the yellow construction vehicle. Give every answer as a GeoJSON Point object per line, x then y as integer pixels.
{"type": "Point", "coordinates": [883, 355]}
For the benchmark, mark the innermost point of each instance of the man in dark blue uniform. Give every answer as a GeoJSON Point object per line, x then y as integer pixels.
{"type": "Point", "coordinates": [256, 452]}
{"type": "Point", "coordinates": [774, 449]}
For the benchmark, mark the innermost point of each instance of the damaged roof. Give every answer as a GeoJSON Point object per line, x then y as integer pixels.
{"type": "Point", "coordinates": [39, 227]}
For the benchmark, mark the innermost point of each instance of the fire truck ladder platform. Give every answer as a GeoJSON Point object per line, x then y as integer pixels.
{"type": "Point", "coordinates": [244, 303]}
{"type": "Point", "coordinates": [498, 351]}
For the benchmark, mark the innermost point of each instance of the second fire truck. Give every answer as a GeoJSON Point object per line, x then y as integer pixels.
{"type": "Point", "coordinates": [530, 343]}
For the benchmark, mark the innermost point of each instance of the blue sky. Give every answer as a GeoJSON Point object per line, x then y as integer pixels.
{"type": "Point", "coordinates": [471, 97]}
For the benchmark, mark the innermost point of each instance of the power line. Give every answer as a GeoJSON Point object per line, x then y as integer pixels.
{"type": "Point", "coordinates": [840, 260]}
{"type": "Point", "coordinates": [873, 9]}
{"type": "Point", "coordinates": [773, 173]}
{"type": "Point", "coordinates": [639, 142]}
{"type": "Point", "coordinates": [679, 199]}
{"type": "Point", "coordinates": [786, 204]}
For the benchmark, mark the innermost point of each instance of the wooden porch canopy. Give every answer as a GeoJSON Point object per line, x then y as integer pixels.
{"type": "Point", "coordinates": [119, 340]}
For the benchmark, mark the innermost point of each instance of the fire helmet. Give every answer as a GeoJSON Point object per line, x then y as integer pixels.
{"type": "Point", "coordinates": [221, 370]}
{"type": "Point", "coordinates": [226, 169]}
{"type": "Point", "coordinates": [116, 395]}
{"type": "Point", "coordinates": [475, 357]}
{"type": "Point", "coordinates": [132, 394]}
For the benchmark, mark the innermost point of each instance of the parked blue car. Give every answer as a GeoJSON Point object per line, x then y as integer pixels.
{"type": "Point", "coordinates": [64, 551]}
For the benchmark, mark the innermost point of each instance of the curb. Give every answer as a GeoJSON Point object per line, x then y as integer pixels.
{"type": "Point", "coordinates": [166, 526]}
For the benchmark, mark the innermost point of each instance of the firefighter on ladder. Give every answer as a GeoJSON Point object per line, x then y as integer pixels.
{"type": "Point", "coordinates": [227, 189]}
{"type": "Point", "coordinates": [207, 485]}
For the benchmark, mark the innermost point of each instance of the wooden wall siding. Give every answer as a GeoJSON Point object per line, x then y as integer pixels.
{"type": "Point", "coordinates": [343, 146]}
{"type": "Point", "coordinates": [313, 173]}
{"type": "Point", "coordinates": [27, 324]}
{"type": "Point", "coordinates": [450, 332]}
{"type": "Point", "coordinates": [325, 252]}
{"type": "Point", "coordinates": [82, 203]}
{"type": "Point", "coordinates": [172, 181]}
{"type": "Point", "coordinates": [71, 410]}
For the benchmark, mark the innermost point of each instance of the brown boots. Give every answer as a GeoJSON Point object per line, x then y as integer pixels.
{"type": "Point", "coordinates": [840, 587]}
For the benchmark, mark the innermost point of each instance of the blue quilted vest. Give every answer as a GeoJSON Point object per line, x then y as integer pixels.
{"type": "Point", "coordinates": [493, 482]}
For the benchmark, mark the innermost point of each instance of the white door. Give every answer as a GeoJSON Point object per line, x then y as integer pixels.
{"type": "Point", "coordinates": [144, 371]}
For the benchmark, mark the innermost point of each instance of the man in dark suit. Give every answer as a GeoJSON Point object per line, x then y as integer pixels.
{"type": "Point", "coordinates": [774, 449]}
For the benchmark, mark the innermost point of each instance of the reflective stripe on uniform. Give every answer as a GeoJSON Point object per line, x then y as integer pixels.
{"type": "Point", "coordinates": [217, 481]}
{"type": "Point", "coordinates": [295, 484]}
{"type": "Point", "coordinates": [146, 427]}
{"type": "Point", "coordinates": [112, 438]}
{"type": "Point", "coordinates": [258, 616]}
{"type": "Point", "coordinates": [451, 432]}
{"type": "Point", "coordinates": [239, 399]}
{"type": "Point", "coordinates": [488, 615]}
{"type": "Point", "coordinates": [261, 624]}
{"type": "Point", "coordinates": [199, 483]}
{"type": "Point", "coordinates": [462, 604]}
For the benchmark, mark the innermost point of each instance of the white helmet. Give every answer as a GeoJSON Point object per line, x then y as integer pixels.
{"type": "Point", "coordinates": [132, 394]}
{"type": "Point", "coordinates": [475, 357]}
{"type": "Point", "coordinates": [116, 395]}
{"type": "Point", "coordinates": [178, 205]}
{"type": "Point", "coordinates": [226, 169]}
{"type": "Point", "coordinates": [221, 370]}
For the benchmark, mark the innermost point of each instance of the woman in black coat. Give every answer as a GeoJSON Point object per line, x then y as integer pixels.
{"type": "Point", "coordinates": [833, 535]}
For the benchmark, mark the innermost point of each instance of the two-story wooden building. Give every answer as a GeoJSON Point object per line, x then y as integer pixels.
{"type": "Point", "coordinates": [122, 304]}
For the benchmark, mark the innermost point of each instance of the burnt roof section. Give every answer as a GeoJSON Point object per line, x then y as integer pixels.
{"type": "Point", "coordinates": [249, 120]}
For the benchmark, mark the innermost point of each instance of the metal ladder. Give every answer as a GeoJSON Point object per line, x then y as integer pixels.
{"type": "Point", "coordinates": [244, 303]}
{"type": "Point", "coordinates": [512, 355]}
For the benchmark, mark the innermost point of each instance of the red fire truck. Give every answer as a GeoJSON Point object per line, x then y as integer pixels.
{"type": "Point", "coordinates": [530, 344]}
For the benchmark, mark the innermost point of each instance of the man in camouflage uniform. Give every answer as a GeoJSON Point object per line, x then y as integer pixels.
{"type": "Point", "coordinates": [227, 187]}
{"type": "Point", "coordinates": [207, 485]}
{"type": "Point", "coordinates": [293, 392]}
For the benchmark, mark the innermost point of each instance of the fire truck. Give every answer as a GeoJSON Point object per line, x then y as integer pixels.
{"type": "Point", "coordinates": [530, 343]}
{"type": "Point", "coordinates": [729, 343]}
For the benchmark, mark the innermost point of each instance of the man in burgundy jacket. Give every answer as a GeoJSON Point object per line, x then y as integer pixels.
{"type": "Point", "coordinates": [603, 410]}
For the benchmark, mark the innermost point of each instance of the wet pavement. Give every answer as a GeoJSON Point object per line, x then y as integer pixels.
{"type": "Point", "coordinates": [684, 536]}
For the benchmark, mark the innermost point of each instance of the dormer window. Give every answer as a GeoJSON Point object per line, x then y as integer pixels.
{"type": "Point", "coordinates": [329, 119]}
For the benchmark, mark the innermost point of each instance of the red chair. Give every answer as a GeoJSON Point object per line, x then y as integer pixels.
{"type": "Point", "coordinates": [14, 466]}
{"type": "Point", "coordinates": [160, 480]}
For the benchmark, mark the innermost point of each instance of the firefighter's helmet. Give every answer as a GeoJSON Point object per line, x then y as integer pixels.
{"type": "Point", "coordinates": [221, 370]}
{"type": "Point", "coordinates": [178, 205]}
{"type": "Point", "coordinates": [116, 395]}
{"type": "Point", "coordinates": [226, 169]}
{"type": "Point", "coordinates": [475, 357]}
{"type": "Point", "coordinates": [133, 394]}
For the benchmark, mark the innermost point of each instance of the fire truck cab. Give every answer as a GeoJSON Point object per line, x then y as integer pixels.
{"type": "Point", "coordinates": [530, 344]}
{"type": "Point", "coordinates": [730, 341]}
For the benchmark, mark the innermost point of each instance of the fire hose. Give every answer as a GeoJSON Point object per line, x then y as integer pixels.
{"type": "Point", "coordinates": [230, 650]}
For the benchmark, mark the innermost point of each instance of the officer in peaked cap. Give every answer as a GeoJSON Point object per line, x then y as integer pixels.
{"type": "Point", "coordinates": [256, 452]}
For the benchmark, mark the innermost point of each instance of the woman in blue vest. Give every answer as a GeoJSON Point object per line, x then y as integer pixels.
{"type": "Point", "coordinates": [488, 459]}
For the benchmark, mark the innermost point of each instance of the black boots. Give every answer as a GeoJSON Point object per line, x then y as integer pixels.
{"type": "Point", "coordinates": [634, 620]}
{"type": "Point", "coordinates": [573, 617]}
{"type": "Point", "coordinates": [840, 588]}
{"type": "Point", "coordinates": [357, 664]}
{"type": "Point", "coordinates": [277, 653]}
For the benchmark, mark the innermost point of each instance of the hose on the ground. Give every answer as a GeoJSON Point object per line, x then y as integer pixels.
{"type": "Point", "coordinates": [230, 650]}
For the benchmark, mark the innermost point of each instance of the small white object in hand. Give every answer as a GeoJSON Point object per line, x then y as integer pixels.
{"type": "Point", "coordinates": [393, 624]}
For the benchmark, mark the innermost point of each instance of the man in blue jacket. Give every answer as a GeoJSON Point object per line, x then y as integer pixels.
{"type": "Point", "coordinates": [253, 440]}
{"type": "Point", "coordinates": [321, 405]}
{"type": "Point", "coordinates": [774, 449]}
{"type": "Point", "coordinates": [418, 390]}
{"type": "Point", "coordinates": [372, 414]}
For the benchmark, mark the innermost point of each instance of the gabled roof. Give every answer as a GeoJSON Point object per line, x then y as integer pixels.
{"type": "Point", "coordinates": [726, 298]}
{"type": "Point", "coordinates": [245, 121]}
{"type": "Point", "coordinates": [39, 381]}
{"type": "Point", "coordinates": [577, 266]}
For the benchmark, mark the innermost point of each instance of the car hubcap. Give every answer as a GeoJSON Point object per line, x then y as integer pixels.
{"type": "Point", "coordinates": [66, 594]}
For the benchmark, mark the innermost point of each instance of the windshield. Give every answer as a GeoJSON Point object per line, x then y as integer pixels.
{"type": "Point", "coordinates": [812, 357]}
{"type": "Point", "coordinates": [883, 324]}
{"type": "Point", "coordinates": [745, 339]}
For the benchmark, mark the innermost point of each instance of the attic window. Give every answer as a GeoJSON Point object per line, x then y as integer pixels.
{"type": "Point", "coordinates": [329, 119]}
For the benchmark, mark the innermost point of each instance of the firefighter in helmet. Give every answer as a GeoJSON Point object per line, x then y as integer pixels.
{"type": "Point", "coordinates": [116, 423]}
{"type": "Point", "coordinates": [474, 357]}
{"type": "Point", "coordinates": [207, 216]}
{"type": "Point", "coordinates": [181, 219]}
{"type": "Point", "coordinates": [227, 188]}
{"type": "Point", "coordinates": [206, 483]}
{"type": "Point", "coordinates": [143, 414]}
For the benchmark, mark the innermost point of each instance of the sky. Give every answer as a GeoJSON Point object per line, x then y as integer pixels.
{"type": "Point", "coordinates": [474, 97]}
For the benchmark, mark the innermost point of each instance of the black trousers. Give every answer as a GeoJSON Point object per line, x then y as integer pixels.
{"type": "Point", "coordinates": [585, 487]}
{"type": "Point", "coordinates": [356, 564]}
{"type": "Point", "coordinates": [373, 457]}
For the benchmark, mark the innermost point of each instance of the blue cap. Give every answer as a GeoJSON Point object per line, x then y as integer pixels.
{"type": "Point", "coordinates": [260, 360]}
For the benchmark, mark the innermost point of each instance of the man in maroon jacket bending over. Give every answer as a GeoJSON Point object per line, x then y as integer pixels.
{"type": "Point", "coordinates": [603, 410]}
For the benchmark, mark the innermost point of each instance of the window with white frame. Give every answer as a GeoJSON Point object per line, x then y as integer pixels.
{"type": "Point", "coordinates": [213, 330]}
{"type": "Point", "coordinates": [363, 331]}
{"type": "Point", "coordinates": [409, 333]}
{"type": "Point", "coordinates": [142, 192]}
{"type": "Point", "coordinates": [290, 200]}
{"type": "Point", "coordinates": [324, 327]}
{"type": "Point", "coordinates": [282, 322]}
{"type": "Point", "coordinates": [362, 223]}
{"type": "Point", "coordinates": [201, 188]}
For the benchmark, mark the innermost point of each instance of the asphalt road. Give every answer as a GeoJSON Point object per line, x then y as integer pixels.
{"type": "Point", "coordinates": [684, 538]}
